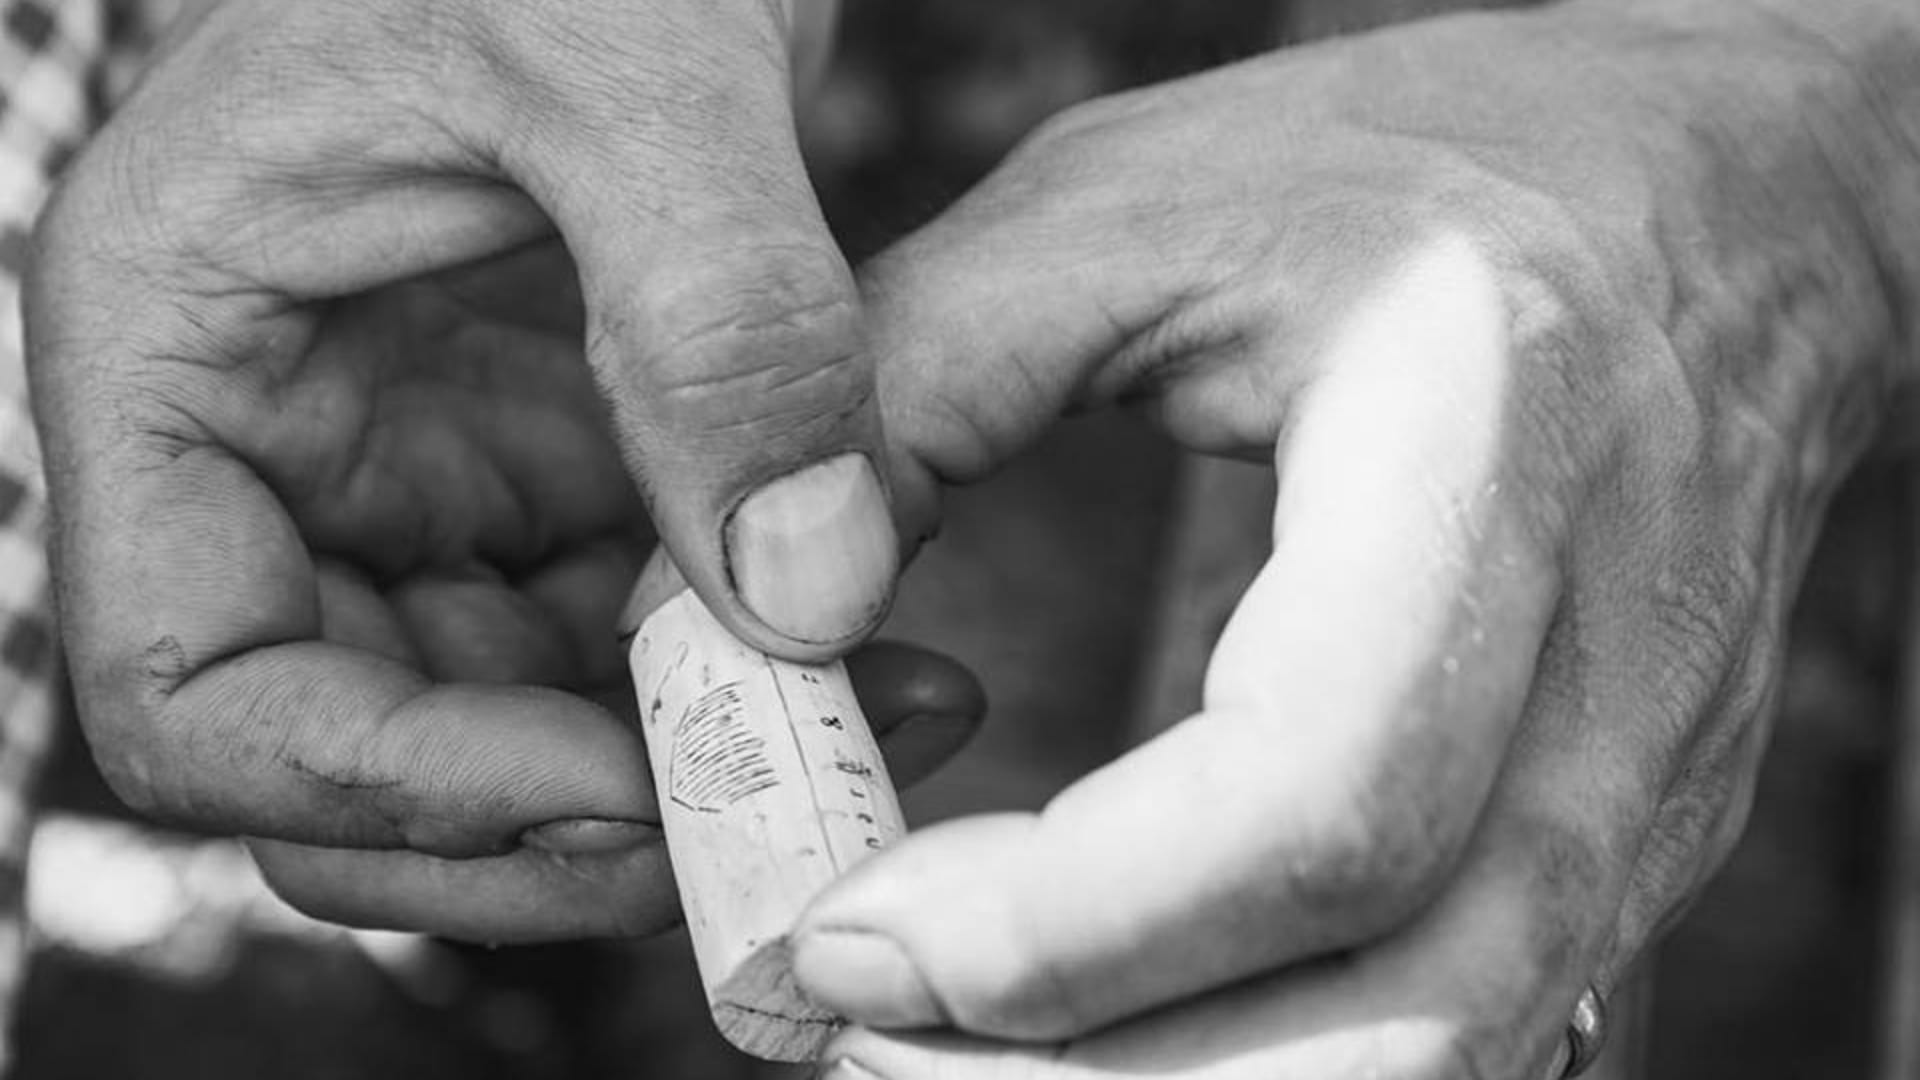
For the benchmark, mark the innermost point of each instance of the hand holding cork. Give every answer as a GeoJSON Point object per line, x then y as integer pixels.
{"type": "Point", "coordinates": [770, 787]}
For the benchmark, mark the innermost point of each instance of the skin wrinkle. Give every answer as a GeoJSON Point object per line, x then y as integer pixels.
{"type": "Point", "coordinates": [765, 286]}
{"type": "Point", "coordinates": [644, 130]}
{"type": "Point", "coordinates": [417, 33]}
{"type": "Point", "coordinates": [776, 314]}
{"type": "Point", "coordinates": [1678, 859]}
{"type": "Point", "coordinates": [799, 423]}
{"type": "Point", "coordinates": [769, 373]}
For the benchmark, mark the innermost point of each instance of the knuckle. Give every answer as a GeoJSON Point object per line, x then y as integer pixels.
{"type": "Point", "coordinates": [1072, 150]}
{"type": "Point", "coordinates": [129, 773]}
{"type": "Point", "coordinates": [771, 340]}
{"type": "Point", "coordinates": [120, 710]}
{"type": "Point", "coordinates": [1084, 128]}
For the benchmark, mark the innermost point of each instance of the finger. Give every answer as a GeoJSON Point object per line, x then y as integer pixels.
{"type": "Point", "coordinates": [353, 613]}
{"type": "Point", "coordinates": [1044, 286]}
{"type": "Point", "coordinates": [193, 623]}
{"type": "Point", "coordinates": [600, 878]}
{"type": "Point", "coordinates": [1481, 988]}
{"type": "Point", "coordinates": [923, 706]}
{"type": "Point", "coordinates": [471, 625]}
{"type": "Point", "coordinates": [1353, 723]}
{"type": "Point", "coordinates": [1480, 984]}
{"type": "Point", "coordinates": [723, 323]}
{"type": "Point", "coordinates": [611, 879]}
{"type": "Point", "coordinates": [582, 595]}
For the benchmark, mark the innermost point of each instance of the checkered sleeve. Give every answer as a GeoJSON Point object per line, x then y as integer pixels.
{"type": "Point", "coordinates": [51, 53]}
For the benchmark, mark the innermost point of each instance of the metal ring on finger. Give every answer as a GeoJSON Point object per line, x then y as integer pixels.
{"type": "Point", "coordinates": [1586, 1033]}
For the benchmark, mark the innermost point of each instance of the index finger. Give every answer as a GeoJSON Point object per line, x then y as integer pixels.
{"type": "Point", "coordinates": [1355, 716]}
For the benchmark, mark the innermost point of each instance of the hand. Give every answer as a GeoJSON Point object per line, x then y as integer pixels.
{"type": "Point", "coordinates": [1559, 330]}
{"type": "Point", "coordinates": [342, 520]}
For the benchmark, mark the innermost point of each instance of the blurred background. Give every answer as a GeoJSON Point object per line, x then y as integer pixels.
{"type": "Point", "coordinates": [159, 955]}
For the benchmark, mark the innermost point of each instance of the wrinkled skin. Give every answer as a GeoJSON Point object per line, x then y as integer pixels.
{"type": "Point", "coordinates": [1560, 330]}
{"type": "Point", "coordinates": [352, 338]}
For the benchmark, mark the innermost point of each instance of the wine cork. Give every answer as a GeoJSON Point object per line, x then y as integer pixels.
{"type": "Point", "coordinates": [770, 786]}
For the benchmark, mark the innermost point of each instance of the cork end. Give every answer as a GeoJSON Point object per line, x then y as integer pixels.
{"type": "Point", "coordinates": [761, 1010]}
{"type": "Point", "coordinates": [659, 582]}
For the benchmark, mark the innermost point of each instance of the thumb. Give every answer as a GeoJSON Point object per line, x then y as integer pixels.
{"type": "Point", "coordinates": [723, 324]}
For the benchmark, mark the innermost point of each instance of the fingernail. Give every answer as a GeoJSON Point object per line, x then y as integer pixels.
{"type": "Point", "coordinates": [589, 836]}
{"type": "Point", "coordinates": [865, 977]}
{"type": "Point", "coordinates": [813, 553]}
{"type": "Point", "coordinates": [845, 1069]}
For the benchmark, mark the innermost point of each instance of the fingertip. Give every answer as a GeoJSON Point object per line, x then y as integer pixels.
{"type": "Point", "coordinates": [865, 975]}
{"type": "Point", "coordinates": [941, 913]}
{"type": "Point", "coordinates": [917, 746]}
{"type": "Point", "coordinates": [898, 682]}
{"type": "Point", "coordinates": [923, 707]}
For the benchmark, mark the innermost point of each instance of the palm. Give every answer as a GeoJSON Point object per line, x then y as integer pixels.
{"type": "Point", "coordinates": [442, 452]}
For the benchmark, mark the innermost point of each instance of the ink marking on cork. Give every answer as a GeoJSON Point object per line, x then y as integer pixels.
{"type": "Point", "coordinates": [849, 767]}
{"type": "Point", "coordinates": [717, 759]}
{"type": "Point", "coordinates": [660, 685]}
